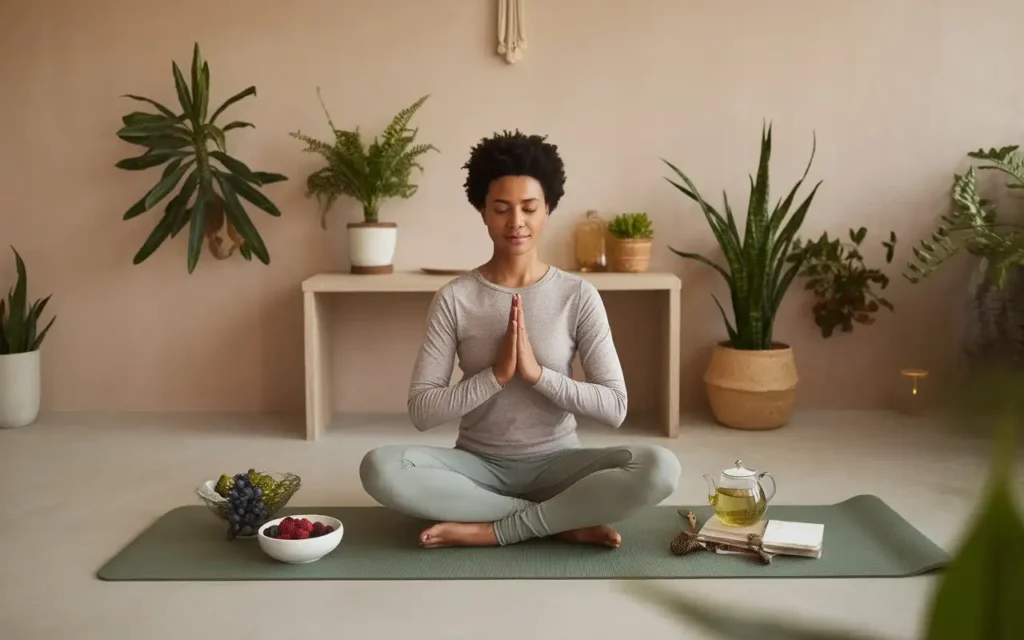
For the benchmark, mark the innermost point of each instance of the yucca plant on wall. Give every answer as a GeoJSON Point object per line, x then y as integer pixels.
{"type": "Point", "coordinates": [212, 182]}
{"type": "Point", "coordinates": [752, 378]}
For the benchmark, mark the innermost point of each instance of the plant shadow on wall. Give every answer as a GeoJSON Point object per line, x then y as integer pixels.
{"type": "Point", "coordinates": [981, 593]}
{"type": "Point", "coordinates": [212, 182]}
{"type": "Point", "coordinates": [370, 174]}
{"type": "Point", "coordinates": [21, 338]}
{"type": "Point", "coordinates": [975, 226]}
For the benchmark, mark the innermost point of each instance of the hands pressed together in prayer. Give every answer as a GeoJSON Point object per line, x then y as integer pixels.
{"type": "Point", "coordinates": [516, 355]}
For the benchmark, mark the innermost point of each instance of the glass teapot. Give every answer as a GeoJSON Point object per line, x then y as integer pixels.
{"type": "Point", "coordinates": [738, 497]}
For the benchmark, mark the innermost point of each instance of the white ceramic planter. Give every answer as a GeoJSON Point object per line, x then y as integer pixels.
{"type": "Point", "coordinates": [371, 246]}
{"type": "Point", "coordinates": [20, 384]}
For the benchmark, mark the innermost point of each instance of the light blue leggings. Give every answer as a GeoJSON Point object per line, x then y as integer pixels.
{"type": "Point", "coordinates": [525, 498]}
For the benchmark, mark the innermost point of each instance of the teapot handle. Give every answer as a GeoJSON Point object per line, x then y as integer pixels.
{"type": "Point", "coordinates": [764, 474]}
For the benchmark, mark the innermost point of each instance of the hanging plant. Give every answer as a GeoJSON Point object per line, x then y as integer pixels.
{"type": "Point", "coordinates": [213, 183]}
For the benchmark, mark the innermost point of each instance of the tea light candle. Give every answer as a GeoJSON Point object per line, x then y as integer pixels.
{"type": "Point", "coordinates": [913, 399]}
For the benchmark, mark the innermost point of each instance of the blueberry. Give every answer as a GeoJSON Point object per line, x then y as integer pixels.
{"type": "Point", "coordinates": [246, 530]}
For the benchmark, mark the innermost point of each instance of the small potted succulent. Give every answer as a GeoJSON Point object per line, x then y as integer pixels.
{"type": "Point", "coordinates": [629, 246]}
{"type": "Point", "coordinates": [20, 339]}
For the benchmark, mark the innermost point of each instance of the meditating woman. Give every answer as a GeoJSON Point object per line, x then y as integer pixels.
{"type": "Point", "coordinates": [517, 470]}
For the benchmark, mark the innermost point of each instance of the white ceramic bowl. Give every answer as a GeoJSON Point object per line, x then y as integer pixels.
{"type": "Point", "coordinates": [301, 551]}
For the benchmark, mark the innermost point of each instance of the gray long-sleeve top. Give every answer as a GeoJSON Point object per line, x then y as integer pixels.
{"type": "Point", "coordinates": [468, 320]}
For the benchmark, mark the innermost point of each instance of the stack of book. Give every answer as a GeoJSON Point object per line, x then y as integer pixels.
{"type": "Point", "coordinates": [778, 536]}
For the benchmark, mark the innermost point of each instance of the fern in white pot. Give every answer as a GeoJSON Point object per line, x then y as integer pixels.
{"type": "Point", "coordinates": [370, 174]}
{"type": "Point", "coordinates": [20, 362]}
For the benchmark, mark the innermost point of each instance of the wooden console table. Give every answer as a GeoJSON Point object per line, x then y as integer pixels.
{"type": "Point", "coordinates": [319, 403]}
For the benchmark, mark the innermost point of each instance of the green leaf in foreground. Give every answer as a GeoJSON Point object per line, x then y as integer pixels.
{"type": "Point", "coordinates": [982, 592]}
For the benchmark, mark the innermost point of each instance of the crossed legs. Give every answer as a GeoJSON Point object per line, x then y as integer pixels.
{"type": "Point", "coordinates": [484, 500]}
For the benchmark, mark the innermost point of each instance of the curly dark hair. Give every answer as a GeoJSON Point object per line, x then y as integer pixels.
{"type": "Point", "coordinates": [514, 154]}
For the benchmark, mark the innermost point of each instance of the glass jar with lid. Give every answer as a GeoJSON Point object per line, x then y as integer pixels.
{"type": "Point", "coordinates": [589, 243]}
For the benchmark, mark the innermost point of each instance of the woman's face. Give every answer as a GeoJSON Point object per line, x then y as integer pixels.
{"type": "Point", "coordinates": [515, 214]}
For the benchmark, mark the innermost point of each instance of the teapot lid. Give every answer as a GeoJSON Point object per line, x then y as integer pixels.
{"type": "Point", "coordinates": [738, 471]}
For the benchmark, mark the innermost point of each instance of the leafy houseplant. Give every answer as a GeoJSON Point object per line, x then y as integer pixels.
{"type": "Point", "coordinates": [759, 274]}
{"type": "Point", "coordinates": [20, 340]}
{"type": "Point", "coordinates": [629, 249]}
{"type": "Point", "coordinates": [840, 281]}
{"type": "Point", "coordinates": [371, 174]}
{"type": "Point", "coordinates": [995, 306]}
{"type": "Point", "coordinates": [973, 226]}
{"type": "Point", "coordinates": [213, 183]}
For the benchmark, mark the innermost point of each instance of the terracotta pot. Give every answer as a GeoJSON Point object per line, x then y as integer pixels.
{"type": "Point", "coordinates": [371, 246]}
{"type": "Point", "coordinates": [630, 255]}
{"type": "Point", "coordinates": [752, 389]}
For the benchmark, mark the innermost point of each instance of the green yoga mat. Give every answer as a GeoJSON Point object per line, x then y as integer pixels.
{"type": "Point", "coordinates": [863, 538]}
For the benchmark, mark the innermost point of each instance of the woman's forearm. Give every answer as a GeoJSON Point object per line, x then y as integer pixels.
{"type": "Point", "coordinates": [603, 401]}
{"type": "Point", "coordinates": [432, 404]}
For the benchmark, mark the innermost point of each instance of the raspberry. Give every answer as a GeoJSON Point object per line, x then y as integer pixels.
{"type": "Point", "coordinates": [301, 534]}
{"type": "Point", "coordinates": [306, 525]}
{"type": "Point", "coordinates": [287, 526]}
{"type": "Point", "coordinates": [328, 529]}
{"type": "Point", "coordinates": [318, 529]}
{"type": "Point", "coordinates": [284, 536]}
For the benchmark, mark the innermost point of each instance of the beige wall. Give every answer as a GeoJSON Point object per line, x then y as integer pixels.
{"type": "Point", "coordinates": [897, 90]}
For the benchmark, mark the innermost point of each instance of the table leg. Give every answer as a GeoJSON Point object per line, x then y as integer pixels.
{"type": "Point", "coordinates": [318, 365]}
{"type": "Point", "coordinates": [670, 407]}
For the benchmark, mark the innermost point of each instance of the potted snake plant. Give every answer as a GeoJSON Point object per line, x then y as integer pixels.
{"type": "Point", "coordinates": [20, 340]}
{"type": "Point", "coordinates": [752, 378]}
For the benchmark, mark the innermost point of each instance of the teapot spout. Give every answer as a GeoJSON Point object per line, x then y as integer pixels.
{"type": "Point", "coordinates": [712, 488]}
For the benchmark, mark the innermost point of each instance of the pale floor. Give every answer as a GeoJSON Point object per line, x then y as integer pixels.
{"type": "Point", "coordinates": [76, 488]}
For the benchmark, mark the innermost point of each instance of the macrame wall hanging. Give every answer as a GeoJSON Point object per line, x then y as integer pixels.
{"type": "Point", "coordinates": [511, 30]}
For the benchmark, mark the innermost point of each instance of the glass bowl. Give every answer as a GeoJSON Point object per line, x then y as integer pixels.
{"type": "Point", "coordinates": [285, 485]}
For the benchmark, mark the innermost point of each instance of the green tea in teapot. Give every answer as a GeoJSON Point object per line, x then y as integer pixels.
{"type": "Point", "coordinates": [738, 507]}
{"type": "Point", "coordinates": [738, 497]}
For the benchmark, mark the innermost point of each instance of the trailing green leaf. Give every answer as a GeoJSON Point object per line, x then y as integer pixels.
{"type": "Point", "coordinates": [756, 271]}
{"type": "Point", "coordinates": [181, 142]}
{"type": "Point", "coordinates": [19, 320]}
{"type": "Point", "coordinates": [972, 223]}
{"type": "Point", "coordinates": [369, 174]}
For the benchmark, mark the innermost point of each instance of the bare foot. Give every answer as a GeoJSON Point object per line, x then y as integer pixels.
{"type": "Point", "coordinates": [602, 535]}
{"type": "Point", "coordinates": [459, 534]}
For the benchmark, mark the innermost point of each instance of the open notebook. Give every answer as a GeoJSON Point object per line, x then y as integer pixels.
{"type": "Point", "coordinates": [778, 536]}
